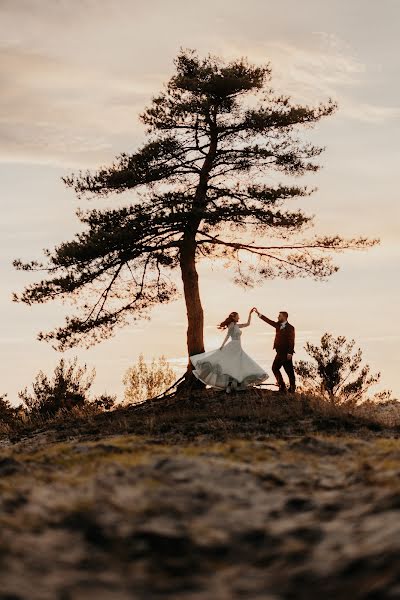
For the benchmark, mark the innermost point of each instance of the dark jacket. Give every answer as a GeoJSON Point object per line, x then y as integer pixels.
{"type": "Point", "coordinates": [284, 338]}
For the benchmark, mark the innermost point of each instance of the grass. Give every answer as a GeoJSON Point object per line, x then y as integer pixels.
{"type": "Point", "coordinates": [252, 414]}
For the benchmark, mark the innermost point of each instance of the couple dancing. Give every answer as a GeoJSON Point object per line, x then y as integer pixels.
{"type": "Point", "coordinates": [230, 367]}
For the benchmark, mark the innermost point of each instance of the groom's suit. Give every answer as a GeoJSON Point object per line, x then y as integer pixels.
{"type": "Point", "coordinates": [284, 345]}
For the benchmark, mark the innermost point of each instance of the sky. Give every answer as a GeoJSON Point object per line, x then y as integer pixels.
{"type": "Point", "coordinates": [75, 75]}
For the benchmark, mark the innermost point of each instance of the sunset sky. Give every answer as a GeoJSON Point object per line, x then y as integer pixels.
{"type": "Point", "coordinates": [75, 74]}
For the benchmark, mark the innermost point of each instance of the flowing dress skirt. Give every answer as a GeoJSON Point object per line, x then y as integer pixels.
{"type": "Point", "coordinates": [218, 368]}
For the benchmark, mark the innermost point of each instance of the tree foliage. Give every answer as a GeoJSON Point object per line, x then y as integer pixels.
{"type": "Point", "coordinates": [204, 186]}
{"type": "Point", "coordinates": [336, 372]}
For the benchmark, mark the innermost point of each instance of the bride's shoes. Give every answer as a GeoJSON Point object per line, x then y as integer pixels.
{"type": "Point", "coordinates": [232, 385]}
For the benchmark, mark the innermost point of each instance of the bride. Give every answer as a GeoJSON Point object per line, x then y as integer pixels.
{"type": "Point", "coordinates": [229, 367]}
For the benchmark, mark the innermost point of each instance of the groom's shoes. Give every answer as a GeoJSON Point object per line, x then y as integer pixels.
{"type": "Point", "coordinates": [292, 390]}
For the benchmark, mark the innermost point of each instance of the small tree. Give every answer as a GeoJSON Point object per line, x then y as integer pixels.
{"type": "Point", "coordinates": [337, 373]}
{"type": "Point", "coordinates": [68, 388]}
{"type": "Point", "coordinates": [145, 381]}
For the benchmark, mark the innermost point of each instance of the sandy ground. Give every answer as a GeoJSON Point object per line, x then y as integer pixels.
{"type": "Point", "coordinates": [143, 516]}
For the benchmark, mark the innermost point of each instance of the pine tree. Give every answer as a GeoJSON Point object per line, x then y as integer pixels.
{"type": "Point", "coordinates": [205, 186]}
{"type": "Point", "coordinates": [336, 372]}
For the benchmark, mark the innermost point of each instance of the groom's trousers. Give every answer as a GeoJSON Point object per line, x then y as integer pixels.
{"type": "Point", "coordinates": [280, 361]}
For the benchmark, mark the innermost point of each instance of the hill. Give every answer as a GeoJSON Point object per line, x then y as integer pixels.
{"type": "Point", "coordinates": [202, 497]}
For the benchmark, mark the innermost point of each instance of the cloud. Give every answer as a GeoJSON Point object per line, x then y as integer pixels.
{"type": "Point", "coordinates": [57, 112]}
{"type": "Point", "coordinates": [72, 86]}
{"type": "Point", "coordinates": [371, 113]}
{"type": "Point", "coordinates": [322, 66]}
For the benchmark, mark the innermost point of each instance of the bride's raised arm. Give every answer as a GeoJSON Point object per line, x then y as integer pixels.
{"type": "Point", "coordinates": [248, 320]}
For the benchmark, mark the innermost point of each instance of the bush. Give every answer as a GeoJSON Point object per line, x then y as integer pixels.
{"type": "Point", "coordinates": [337, 373]}
{"type": "Point", "coordinates": [67, 389]}
{"type": "Point", "coordinates": [105, 402]}
{"type": "Point", "coordinates": [9, 414]}
{"type": "Point", "coordinates": [145, 381]}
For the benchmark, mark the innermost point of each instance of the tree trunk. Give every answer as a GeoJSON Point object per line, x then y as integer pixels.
{"type": "Point", "coordinates": [194, 309]}
{"type": "Point", "coordinates": [190, 278]}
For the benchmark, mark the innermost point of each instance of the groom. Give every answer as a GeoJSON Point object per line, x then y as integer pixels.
{"type": "Point", "coordinates": [284, 346]}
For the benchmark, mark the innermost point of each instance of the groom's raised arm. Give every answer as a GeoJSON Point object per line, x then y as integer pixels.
{"type": "Point", "coordinates": [269, 321]}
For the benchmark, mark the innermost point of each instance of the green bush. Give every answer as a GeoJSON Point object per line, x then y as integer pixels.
{"type": "Point", "coordinates": [68, 388]}
{"type": "Point", "coordinates": [336, 372]}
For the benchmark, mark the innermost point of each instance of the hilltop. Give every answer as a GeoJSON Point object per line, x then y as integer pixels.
{"type": "Point", "coordinates": [204, 496]}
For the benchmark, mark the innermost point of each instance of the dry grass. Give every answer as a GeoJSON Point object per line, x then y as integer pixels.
{"type": "Point", "coordinates": [214, 414]}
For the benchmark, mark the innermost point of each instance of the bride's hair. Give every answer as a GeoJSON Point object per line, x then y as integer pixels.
{"type": "Point", "coordinates": [227, 321]}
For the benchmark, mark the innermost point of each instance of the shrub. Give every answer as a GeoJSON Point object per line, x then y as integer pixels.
{"type": "Point", "coordinates": [9, 414]}
{"type": "Point", "coordinates": [105, 402]}
{"type": "Point", "coordinates": [337, 373]}
{"type": "Point", "coordinates": [68, 388]}
{"type": "Point", "coordinates": [144, 381]}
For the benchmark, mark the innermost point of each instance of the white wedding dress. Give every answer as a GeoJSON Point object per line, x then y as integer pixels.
{"type": "Point", "coordinates": [232, 365]}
